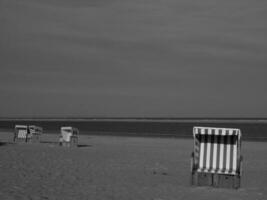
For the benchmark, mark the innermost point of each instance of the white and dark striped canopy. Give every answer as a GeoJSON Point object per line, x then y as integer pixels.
{"type": "Point", "coordinates": [217, 150]}
{"type": "Point", "coordinates": [216, 131]}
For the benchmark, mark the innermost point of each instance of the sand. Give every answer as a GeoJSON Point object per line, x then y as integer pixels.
{"type": "Point", "coordinates": [111, 167]}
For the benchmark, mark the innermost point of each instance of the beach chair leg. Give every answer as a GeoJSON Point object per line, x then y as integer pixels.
{"type": "Point", "coordinates": [215, 180]}
{"type": "Point", "coordinates": [237, 181]}
{"type": "Point", "coordinates": [74, 141]}
{"type": "Point", "coordinates": [71, 142]}
{"type": "Point", "coordinates": [37, 138]}
{"type": "Point", "coordinates": [237, 178]}
{"type": "Point", "coordinates": [28, 140]}
{"type": "Point", "coordinates": [227, 181]}
{"type": "Point", "coordinates": [194, 178]}
{"type": "Point", "coordinates": [204, 179]}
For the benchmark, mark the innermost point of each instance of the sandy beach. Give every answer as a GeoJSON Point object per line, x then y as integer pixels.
{"type": "Point", "coordinates": [112, 167]}
{"type": "Point", "coordinates": [134, 77]}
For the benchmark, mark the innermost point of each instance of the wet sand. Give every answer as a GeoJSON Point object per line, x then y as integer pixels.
{"type": "Point", "coordinates": [112, 167]}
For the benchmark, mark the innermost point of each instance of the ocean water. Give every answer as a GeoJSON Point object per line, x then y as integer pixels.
{"type": "Point", "coordinates": [251, 129]}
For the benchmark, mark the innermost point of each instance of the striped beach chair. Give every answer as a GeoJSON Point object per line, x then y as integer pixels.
{"type": "Point", "coordinates": [21, 133]}
{"type": "Point", "coordinates": [216, 159]}
{"type": "Point", "coordinates": [68, 136]}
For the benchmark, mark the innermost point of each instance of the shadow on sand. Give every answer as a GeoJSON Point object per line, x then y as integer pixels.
{"type": "Point", "coordinates": [56, 143]}
{"type": "Point", "coordinates": [5, 143]}
{"type": "Point", "coordinates": [49, 142]}
{"type": "Point", "coordinates": [83, 145]}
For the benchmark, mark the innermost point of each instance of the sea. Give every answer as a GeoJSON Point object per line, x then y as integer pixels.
{"type": "Point", "coordinates": [252, 129]}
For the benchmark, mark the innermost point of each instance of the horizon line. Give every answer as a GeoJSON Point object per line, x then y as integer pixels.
{"type": "Point", "coordinates": [135, 118]}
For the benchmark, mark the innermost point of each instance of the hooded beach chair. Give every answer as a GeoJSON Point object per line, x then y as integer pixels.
{"type": "Point", "coordinates": [21, 133]}
{"type": "Point", "coordinates": [68, 136]}
{"type": "Point", "coordinates": [35, 133]}
{"type": "Point", "coordinates": [216, 159]}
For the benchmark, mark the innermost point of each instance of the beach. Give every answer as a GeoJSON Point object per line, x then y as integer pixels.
{"type": "Point", "coordinates": [116, 167]}
{"type": "Point", "coordinates": [135, 78]}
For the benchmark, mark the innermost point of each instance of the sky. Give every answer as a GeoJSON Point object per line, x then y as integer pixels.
{"type": "Point", "coordinates": [125, 58]}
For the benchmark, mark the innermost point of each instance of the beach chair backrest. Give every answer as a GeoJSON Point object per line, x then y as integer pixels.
{"type": "Point", "coordinates": [21, 131]}
{"type": "Point", "coordinates": [217, 150]}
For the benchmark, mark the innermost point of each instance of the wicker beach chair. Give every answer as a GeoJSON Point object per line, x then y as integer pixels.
{"type": "Point", "coordinates": [21, 133]}
{"type": "Point", "coordinates": [35, 133]}
{"type": "Point", "coordinates": [216, 159]}
{"type": "Point", "coordinates": [68, 136]}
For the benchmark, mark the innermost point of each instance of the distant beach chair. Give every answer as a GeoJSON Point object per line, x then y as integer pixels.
{"type": "Point", "coordinates": [216, 159]}
{"type": "Point", "coordinates": [68, 136]}
{"type": "Point", "coordinates": [21, 133]}
{"type": "Point", "coordinates": [35, 133]}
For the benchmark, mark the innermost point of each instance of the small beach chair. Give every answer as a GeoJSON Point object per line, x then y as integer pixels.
{"type": "Point", "coordinates": [216, 159]}
{"type": "Point", "coordinates": [35, 133]}
{"type": "Point", "coordinates": [21, 133]}
{"type": "Point", "coordinates": [68, 136]}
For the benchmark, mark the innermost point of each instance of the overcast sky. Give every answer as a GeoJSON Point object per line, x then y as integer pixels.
{"type": "Point", "coordinates": [133, 58]}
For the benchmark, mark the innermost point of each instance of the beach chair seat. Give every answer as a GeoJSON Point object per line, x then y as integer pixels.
{"type": "Point", "coordinates": [216, 159]}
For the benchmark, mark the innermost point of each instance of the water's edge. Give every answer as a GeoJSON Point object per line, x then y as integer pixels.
{"type": "Point", "coordinates": [252, 129]}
